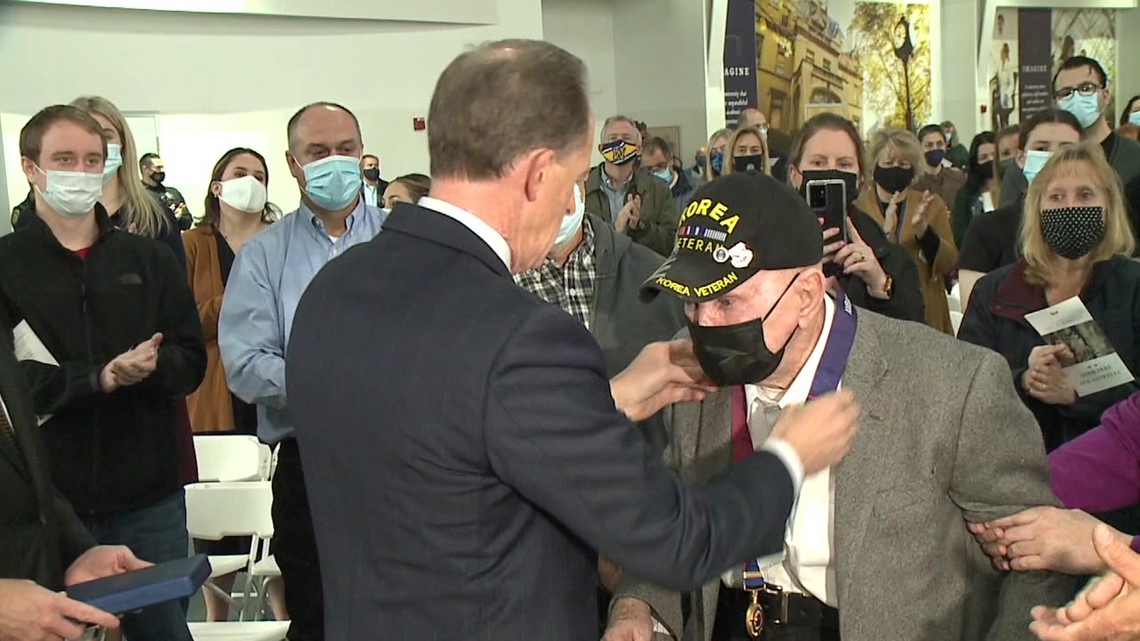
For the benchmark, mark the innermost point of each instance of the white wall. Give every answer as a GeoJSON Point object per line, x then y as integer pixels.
{"type": "Point", "coordinates": [659, 50]}
{"type": "Point", "coordinates": [1127, 56]}
{"type": "Point", "coordinates": [219, 81]}
{"type": "Point", "coordinates": [958, 61]}
{"type": "Point", "coordinates": [585, 28]}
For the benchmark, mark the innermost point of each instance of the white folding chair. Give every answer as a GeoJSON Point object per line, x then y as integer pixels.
{"type": "Point", "coordinates": [218, 510]}
{"type": "Point", "coordinates": [955, 320]}
{"type": "Point", "coordinates": [232, 457]}
{"type": "Point", "coordinates": [954, 298]}
{"type": "Point", "coordinates": [240, 631]}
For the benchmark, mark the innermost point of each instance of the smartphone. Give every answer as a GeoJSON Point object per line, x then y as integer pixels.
{"type": "Point", "coordinates": [828, 199]}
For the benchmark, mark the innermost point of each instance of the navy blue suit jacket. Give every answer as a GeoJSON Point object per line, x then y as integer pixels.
{"type": "Point", "coordinates": [464, 459]}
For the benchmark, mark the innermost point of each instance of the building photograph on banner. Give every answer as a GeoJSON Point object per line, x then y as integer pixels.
{"type": "Point", "coordinates": [1028, 48]}
{"type": "Point", "coordinates": [867, 61]}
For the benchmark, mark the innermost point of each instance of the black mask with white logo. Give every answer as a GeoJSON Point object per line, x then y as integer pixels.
{"type": "Point", "coordinates": [748, 163]}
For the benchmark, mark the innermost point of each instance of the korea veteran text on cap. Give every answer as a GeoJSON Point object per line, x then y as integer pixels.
{"type": "Point", "coordinates": [736, 226]}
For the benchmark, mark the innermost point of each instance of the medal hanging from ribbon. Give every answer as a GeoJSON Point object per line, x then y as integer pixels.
{"type": "Point", "coordinates": [827, 376]}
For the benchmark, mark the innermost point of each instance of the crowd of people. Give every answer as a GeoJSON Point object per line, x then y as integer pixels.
{"type": "Point", "coordinates": [449, 368]}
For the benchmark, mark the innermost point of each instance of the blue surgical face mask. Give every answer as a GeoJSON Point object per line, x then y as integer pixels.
{"type": "Point", "coordinates": [1086, 108]}
{"type": "Point", "coordinates": [571, 222]}
{"type": "Point", "coordinates": [1034, 161]}
{"type": "Point", "coordinates": [1134, 118]}
{"type": "Point", "coordinates": [716, 161]}
{"type": "Point", "coordinates": [665, 175]}
{"type": "Point", "coordinates": [333, 182]}
{"type": "Point", "coordinates": [114, 161]}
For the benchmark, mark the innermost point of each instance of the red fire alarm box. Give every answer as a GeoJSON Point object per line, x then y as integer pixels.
{"type": "Point", "coordinates": [419, 124]}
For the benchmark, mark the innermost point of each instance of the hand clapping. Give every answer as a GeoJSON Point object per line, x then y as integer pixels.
{"type": "Point", "coordinates": [132, 366]}
{"type": "Point", "coordinates": [1046, 380]}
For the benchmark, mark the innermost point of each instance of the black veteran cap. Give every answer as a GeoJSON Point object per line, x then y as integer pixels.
{"type": "Point", "coordinates": [736, 226]}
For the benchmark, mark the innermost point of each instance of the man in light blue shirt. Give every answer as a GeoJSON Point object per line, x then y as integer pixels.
{"type": "Point", "coordinates": [268, 277]}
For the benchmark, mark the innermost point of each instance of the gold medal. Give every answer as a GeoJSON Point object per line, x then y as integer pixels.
{"type": "Point", "coordinates": [754, 617]}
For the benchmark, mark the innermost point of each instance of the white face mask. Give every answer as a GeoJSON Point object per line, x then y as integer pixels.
{"type": "Point", "coordinates": [71, 194]}
{"type": "Point", "coordinates": [244, 194]}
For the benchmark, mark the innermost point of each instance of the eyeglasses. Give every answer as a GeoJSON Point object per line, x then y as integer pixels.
{"type": "Point", "coordinates": [1085, 89]}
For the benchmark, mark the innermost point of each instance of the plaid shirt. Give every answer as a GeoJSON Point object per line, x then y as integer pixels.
{"type": "Point", "coordinates": [570, 287]}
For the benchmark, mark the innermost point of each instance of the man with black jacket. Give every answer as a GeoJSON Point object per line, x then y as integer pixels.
{"type": "Point", "coordinates": [43, 544]}
{"type": "Point", "coordinates": [107, 335]}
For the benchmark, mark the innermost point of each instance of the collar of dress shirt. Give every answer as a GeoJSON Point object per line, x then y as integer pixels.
{"type": "Point", "coordinates": [494, 239]}
{"type": "Point", "coordinates": [319, 225]}
{"type": "Point", "coordinates": [801, 386]}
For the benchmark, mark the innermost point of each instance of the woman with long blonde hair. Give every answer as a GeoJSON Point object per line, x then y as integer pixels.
{"type": "Point", "coordinates": [1076, 242]}
{"type": "Point", "coordinates": [716, 164]}
{"type": "Point", "coordinates": [125, 197]}
{"type": "Point", "coordinates": [747, 151]}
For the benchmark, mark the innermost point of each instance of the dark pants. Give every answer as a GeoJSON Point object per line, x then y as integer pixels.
{"type": "Point", "coordinates": [729, 625]}
{"type": "Point", "coordinates": [295, 547]}
{"type": "Point", "coordinates": [156, 533]}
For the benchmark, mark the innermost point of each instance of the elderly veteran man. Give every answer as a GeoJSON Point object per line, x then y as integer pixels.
{"type": "Point", "coordinates": [876, 548]}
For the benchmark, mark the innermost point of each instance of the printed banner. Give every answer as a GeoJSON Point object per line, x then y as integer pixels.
{"type": "Point", "coordinates": [740, 88]}
{"type": "Point", "coordinates": [839, 57]}
{"type": "Point", "coordinates": [1035, 84]}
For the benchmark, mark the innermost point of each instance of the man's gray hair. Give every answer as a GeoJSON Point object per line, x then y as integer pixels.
{"type": "Point", "coordinates": [620, 118]}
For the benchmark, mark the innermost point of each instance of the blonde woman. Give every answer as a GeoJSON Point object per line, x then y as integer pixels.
{"type": "Point", "coordinates": [1075, 241]}
{"type": "Point", "coordinates": [125, 197]}
{"type": "Point", "coordinates": [747, 151]}
{"type": "Point", "coordinates": [718, 142]}
{"type": "Point", "coordinates": [919, 222]}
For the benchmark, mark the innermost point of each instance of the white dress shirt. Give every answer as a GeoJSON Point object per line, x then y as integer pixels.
{"type": "Point", "coordinates": [372, 194]}
{"type": "Point", "coordinates": [807, 565]}
{"type": "Point", "coordinates": [494, 239]}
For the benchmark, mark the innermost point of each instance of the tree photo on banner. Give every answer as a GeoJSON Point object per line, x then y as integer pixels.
{"type": "Point", "coordinates": [876, 31]}
{"type": "Point", "coordinates": [839, 56]}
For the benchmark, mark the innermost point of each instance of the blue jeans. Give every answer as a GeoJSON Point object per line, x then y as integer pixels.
{"type": "Point", "coordinates": [156, 533]}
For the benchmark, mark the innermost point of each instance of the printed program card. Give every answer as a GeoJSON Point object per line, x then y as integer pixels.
{"type": "Point", "coordinates": [1095, 365]}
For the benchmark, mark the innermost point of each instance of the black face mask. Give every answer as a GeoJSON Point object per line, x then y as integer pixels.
{"type": "Point", "coordinates": [894, 179]}
{"type": "Point", "coordinates": [737, 354]}
{"type": "Point", "coordinates": [850, 179]}
{"type": "Point", "coordinates": [748, 163]}
{"type": "Point", "coordinates": [986, 170]}
{"type": "Point", "coordinates": [372, 173]}
{"type": "Point", "coordinates": [158, 176]}
{"type": "Point", "coordinates": [1073, 232]}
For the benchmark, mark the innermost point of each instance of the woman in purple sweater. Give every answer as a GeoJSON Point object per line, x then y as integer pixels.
{"type": "Point", "coordinates": [1098, 471]}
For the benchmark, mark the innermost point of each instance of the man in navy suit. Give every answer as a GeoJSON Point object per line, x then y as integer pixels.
{"type": "Point", "coordinates": [464, 457]}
